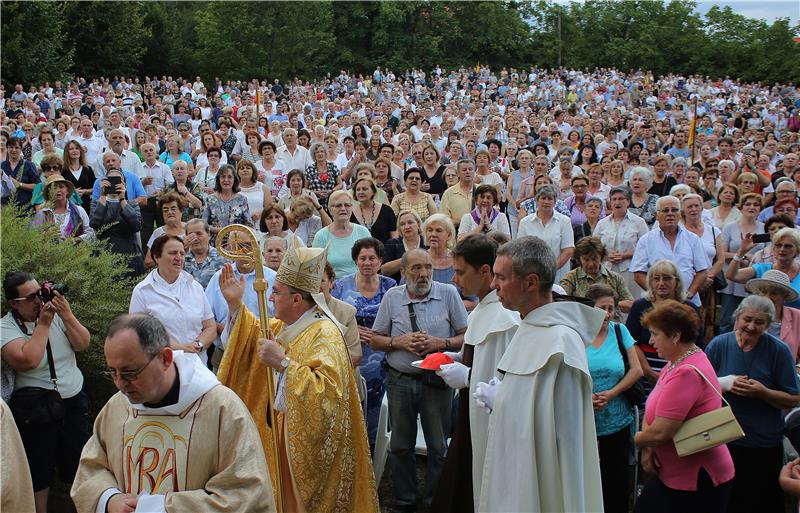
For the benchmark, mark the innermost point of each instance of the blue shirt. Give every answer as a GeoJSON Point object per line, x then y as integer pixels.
{"type": "Point", "coordinates": [219, 307]}
{"type": "Point", "coordinates": [760, 269]}
{"type": "Point", "coordinates": [133, 187]}
{"type": "Point", "coordinates": [607, 369]}
{"type": "Point", "coordinates": [366, 308]}
{"type": "Point", "coordinates": [339, 248]}
{"type": "Point", "coordinates": [771, 363]}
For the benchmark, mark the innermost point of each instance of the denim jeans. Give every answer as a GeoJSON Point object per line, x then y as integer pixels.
{"type": "Point", "coordinates": [409, 396]}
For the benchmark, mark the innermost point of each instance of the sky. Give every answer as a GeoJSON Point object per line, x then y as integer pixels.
{"type": "Point", "coordinates": [764, 9]}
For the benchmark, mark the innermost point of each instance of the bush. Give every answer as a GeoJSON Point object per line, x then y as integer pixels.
{"type": "Point", "coordinates": [98, 290]}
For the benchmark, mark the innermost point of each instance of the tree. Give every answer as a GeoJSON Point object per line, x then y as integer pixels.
{"type": "Point", "coordinates": [110, 38]}
{"type": "Point", "coordinates": [97, 290]}
{"type": "Point", "coordinates": [35, 45]}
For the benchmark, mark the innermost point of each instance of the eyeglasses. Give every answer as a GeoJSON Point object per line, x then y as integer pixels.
{"type": "Point", "coordinates": [670, 210]}
{"type": "Point", "coordinates": [342, 205]}
{"type": "Point", "coordinates": [665, 279]}
{"type": "Point", "coordinates": [29, 298]}
{"type": "Point", "coordinates": [127, 376]}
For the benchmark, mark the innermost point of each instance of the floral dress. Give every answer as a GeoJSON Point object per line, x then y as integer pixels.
{"type": "Point", "coordinates": [196, 189]}
{"type": "Point", "coordinates": [221, 213]}
{"type": "Point", "coordinates": [371, 365]}
{"type": "Point", "coordinates": [322, 181]}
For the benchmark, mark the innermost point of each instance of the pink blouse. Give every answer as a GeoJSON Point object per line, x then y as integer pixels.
{"type": "Point", "coordinates": [682, 394]}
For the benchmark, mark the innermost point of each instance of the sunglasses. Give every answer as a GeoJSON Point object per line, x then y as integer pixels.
{"type": "Point", "coordinates": [51, 167]}
{"type": "Point", "coordinates": [33, 296]}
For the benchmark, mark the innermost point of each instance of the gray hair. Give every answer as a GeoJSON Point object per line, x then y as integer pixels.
{"type": "Point", "coordinates": [531, 255]}
{"type": "Point", "coordinates": [678, 188]}
{"type": "Point", "coordinates": [665, 266]}
{"type": "Point", "coordinates": [760, 304]}
{"type": "Point", "coordinates": [644, 172]}
{"type": "Point", "coordinates": [198, 220]}
{"type": "Point", "coordinates": [548, 191]}
{"type": "Point", "coordinates": [317, 146]}
{"type": "Point", "coordinates": [663, 199]}
{"type": "Point", "coordinates": [783, 180]}
{"type": "Point", "coordinates": [151, 333]}
{"type": "Point", "coordinates": [448, 226]}
{"type": "Point", "coordinates": [407, 254]}
{"type": "Point", "coordinates": [726, 162]}
{"type": "Point", "coordinates": [283, 241]}
{"type": "Point", "coordinates": [290, 131]}
{"type": "Point", "coordinates": [791, 233]}
{"type": "Point", "coordinates": [620, 189]}
{"type": "Point", "coordinates": [598, 199]}
{"type": "Point", "coordinates": [679, 160]}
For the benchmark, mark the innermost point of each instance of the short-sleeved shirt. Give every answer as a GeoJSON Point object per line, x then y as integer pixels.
{"type": "Point", "coordinates": [441, 314]}
{"type": "Point", "coordinates": [607, 368]}
{"type": "Point", "coordinates": [339, 248]}
{"type": "Point", "coordinates": [133, 187]}
{"type": "Point", "coordinates": [346, 290]}
{"type": "Point", "coordinates": [771, 363]}
{"type": "Point", "coordinates": [202, 272]}
{"type": "Point", "coordinates": [455, 202]}
{"type": "Point", "coordinates": [557, 234]}
{"type": "Point", "coordinates": [620, 236]}
{"type": "Point", "coordinates": [682, 394]}
{"type": "Point", "coordinates": [70, 379]}
{"type": "Point", "coordinates": [760, 269]}
{"type": "Point", "coordinates": [688, 255]}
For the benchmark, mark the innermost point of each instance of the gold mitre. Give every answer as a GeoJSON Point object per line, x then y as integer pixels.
{"type": "Point", "coordinates": [302, 268]}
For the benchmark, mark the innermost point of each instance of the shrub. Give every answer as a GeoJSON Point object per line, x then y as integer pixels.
{"type": "Point", "coordinates": [98, 290]}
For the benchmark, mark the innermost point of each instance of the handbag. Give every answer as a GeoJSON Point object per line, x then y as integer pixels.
{"type": "Point", "coordinates": [36, 406]}
{"type": "Point", "coordinates": [635, 395]}
{"type": "Point", "coordinates": [708, 430]}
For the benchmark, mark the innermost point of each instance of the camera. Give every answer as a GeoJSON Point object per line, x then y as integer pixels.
{"type": "Point", "coordinates": [46, 293]}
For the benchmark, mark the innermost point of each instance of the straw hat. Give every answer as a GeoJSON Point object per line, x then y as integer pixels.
{"type": "Point", "coordinates": [772, 278]}
{"type": "Point", "coordinates": [55, 179]}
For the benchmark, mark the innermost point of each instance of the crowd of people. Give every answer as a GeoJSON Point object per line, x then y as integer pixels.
{"type": "Point", "coordinates": [452, 207]}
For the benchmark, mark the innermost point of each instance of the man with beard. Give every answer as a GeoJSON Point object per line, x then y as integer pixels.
{"type": "Point", "coordinates": [414, 320]}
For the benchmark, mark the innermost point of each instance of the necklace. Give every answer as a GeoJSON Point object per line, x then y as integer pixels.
{"type": "Point", "coordinates": [686, 355]}
{"type": "Point", "coordinates": [368, 224]}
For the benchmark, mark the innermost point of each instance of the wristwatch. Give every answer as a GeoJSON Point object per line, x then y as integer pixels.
{"type": "Point", "coordinates": [285, 363]}
{"type": "Point", "coordinates": [198, 344]}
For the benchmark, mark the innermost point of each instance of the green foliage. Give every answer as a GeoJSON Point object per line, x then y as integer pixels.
{"type": "Point", "coordinates": [284, 40]}
{"type": "Point", "coordinates": [97, 290]}
{"type": "Point", "coordinates": [35, 46]}
{"type": "Point", "coordinates": [110, 38]}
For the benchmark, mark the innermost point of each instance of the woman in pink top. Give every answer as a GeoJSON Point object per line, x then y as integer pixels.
{"type": "Point", "coordinates": [701, 481]}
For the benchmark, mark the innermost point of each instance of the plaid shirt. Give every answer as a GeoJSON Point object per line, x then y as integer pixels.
{"type": "Point", "coordinates": [202, 272]}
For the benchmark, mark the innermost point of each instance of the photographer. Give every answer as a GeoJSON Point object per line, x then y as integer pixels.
{"type": "Point", "coordinates": [54, 428]}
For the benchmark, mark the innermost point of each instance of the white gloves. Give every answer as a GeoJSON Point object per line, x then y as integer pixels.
{"type": "Point", "coordinates": [455, 356]}
{"type": "Point", "coordinates": [485, 394]}
{"type": "Point", "coordinates": [456, 375]}
{"type": "Point", "coordinates": [726, 382]}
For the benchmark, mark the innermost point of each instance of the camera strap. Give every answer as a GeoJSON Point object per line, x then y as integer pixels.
{"type": "Point", "coordinates": [50, 361]}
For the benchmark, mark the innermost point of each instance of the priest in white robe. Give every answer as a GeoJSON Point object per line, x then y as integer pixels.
{"type": "Point", "coordinates": [541, 452]}
{"type": "Point", "coordinates": [490, 329]}
{"type": "Point", "coordinates": [174, 439]}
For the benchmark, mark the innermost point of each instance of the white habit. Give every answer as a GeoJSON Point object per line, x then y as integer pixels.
{"type": "Point", "coordinates": [541, 453]}
{"type": "Point", "coordinates": [490, 328]}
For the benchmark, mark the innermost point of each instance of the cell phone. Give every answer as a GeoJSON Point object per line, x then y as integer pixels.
{"type": "Point", "coordinates": [114, 181]}
{"type": "Point", "coordinates": [761, 238]}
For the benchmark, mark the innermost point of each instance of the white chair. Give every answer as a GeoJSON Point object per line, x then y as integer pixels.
{"type": "Point", "coordinates": [382, 439]}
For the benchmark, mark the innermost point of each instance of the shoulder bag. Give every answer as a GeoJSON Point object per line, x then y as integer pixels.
{"type": "Point", "coordinates": [720, 282]}
{"type": "Point", "coordinates": [708, 430]}
{"type": "Point", "coordinates": [36, 406]}
{"type": "Point", "coordinates": [635, 395]}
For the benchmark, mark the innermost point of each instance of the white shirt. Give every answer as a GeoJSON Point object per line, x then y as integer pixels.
{"type": "Point", "coordinates": [688, 255]}
{"type": "Point", "coordinates": [620, 236]}
{"type": "Point", "coordinates": [181, 306]}
{"type": "Point", "coordinates": [130, 162]}
{"type": "Point", "coordinates": [300, 160]}
{"type": "Point", "coordinates": [162, 176]}
{"type": "Point", "coordinates": [557, 234]}
{"type": "Point", "coordinates": [500, 223]}
{"type": "Point", "coordinates": [91, 146]}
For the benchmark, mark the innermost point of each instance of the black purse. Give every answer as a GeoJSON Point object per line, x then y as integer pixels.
{"type": "Point", "coordinates": [36, 406]}
{"type": "Point", "coordinates": [720, 282]}
{"type": "Point", "coordinates": [635, 395]}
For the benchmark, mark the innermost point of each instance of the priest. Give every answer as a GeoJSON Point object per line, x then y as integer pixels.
{"type": "Point", "coordinates": [173, 439]}
{"type": "Point", "coordinates": [541, 426]}
{"type": "Point", "coordinates": [490, 328]}
{"type": "Point", "coordinates": [323, 450]}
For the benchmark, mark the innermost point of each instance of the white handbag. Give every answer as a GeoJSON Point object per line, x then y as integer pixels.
{"type": "Point", "coordinates": [708, 430]}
